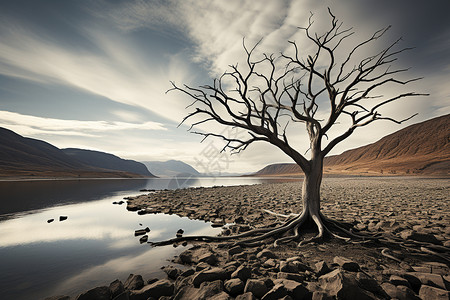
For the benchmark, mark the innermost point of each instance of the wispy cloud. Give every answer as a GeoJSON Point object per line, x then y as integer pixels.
{"type": "Point", "coordinates": [31, 125]}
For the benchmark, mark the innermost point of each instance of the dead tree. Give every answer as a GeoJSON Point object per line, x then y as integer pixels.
{"type": "Point", "coordinates": [272, 94]}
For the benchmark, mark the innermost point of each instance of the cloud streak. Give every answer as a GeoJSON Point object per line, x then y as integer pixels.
{"type": "Point", "coordinates": [31, 125]}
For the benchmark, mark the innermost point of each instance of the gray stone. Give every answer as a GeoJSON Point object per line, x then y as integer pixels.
{"type": "Point", "coordinates": [420, 237]}
{"type": "Point", "coordinates": [433, 293]}
{"type": "Point", "coordinates": [123, 296]}
{"type": "Point", "coordinates": [368, 283]}
{"type": "Point", "coordinates": [234, 286]}
{"type": "Point", "coordinates": [98, 293]}
{"type": "Point", "coordinates": [246, 296]}
{"type": "Point", "coordinates": [429, 279]}
{"type": "Point", "coordinates": [134, 282]}
{"type": "Point", "coordinates": [400, 292]}
{"type": "Point", "coordinates": [209, 275]}
{"type": "Point", "coordinates": [172, 272]}
{"type": "Point", "coordinates": [291, 276]}
{"type": "Point", "coordinates": [116, 287]}
{"type": "Point", "coordinates": [288, 267]}
{"type": "Point", "coordinates": [235, 250]}
{"type": "Point", "coordinates": [242, 272]}
{"type": "Point", "coordinates": [157, 289]}
{"type": "Point", "coordinates": [59, 297]}
{"type": "Point", "coordinates": [277, 292]}
{"type": "Point", "coordinates": [397, 280]}
{"type": "Point", "coordinates": [293, 288]}
{"type": "Point", "coordinates": [207, 290]}
{"type": "Point", "coordinates": [257, 287]}
{"type": "Point", "coordinates": [185, 257]}
{"type": "Point", "coordinates": [209, 258]}
{"type": "Point", "coordinates": [266, 253]}
{"type": "Point", "coordinates": [270, 263]}
{"type": "Point", "coordinates": [343, 286]}
{"type": "Point", "coordinates": [322, 268]}
{"type": "Point", "coordinates": [346, 264]}
{"type": "Point", "coordinates": [320, 295]}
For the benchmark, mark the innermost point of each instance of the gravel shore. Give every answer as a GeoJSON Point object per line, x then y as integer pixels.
{"type": "Point", "coordinates": [412, 209]}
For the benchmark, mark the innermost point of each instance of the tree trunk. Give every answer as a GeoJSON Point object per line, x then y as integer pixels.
{"type": "Point", "coordinates": [311, 191]}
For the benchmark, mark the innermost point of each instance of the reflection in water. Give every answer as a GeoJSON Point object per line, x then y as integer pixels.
{"type": "Point", "coordinates": [95, 245]}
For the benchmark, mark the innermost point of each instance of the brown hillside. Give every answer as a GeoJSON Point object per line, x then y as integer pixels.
{"type": "Point", "coordinates": [422, 148]}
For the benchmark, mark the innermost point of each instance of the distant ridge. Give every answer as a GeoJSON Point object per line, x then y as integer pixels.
{"type": "Point", "coordinates": [27, 157]}
{"type": "Point", "coordinates": [421, 149]}
{"type": "Point", "coordinates": [107, 161]}
{"type": "Point", "coordinates": [171, 168]}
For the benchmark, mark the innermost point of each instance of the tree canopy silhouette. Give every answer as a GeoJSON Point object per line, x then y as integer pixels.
{"type": "Point", "coordinates": [314, 89]}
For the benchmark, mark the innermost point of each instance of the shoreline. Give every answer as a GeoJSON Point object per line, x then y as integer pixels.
{"type": "Point", "coordinates": [380, 204]}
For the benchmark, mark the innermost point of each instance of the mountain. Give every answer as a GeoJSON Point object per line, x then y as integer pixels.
{"type": "Point", "coordinates": [27, 157]}
{"type": "Point", "coordinates": [171, 168]}
{"type": "Point", "coordinates": [107, 161]}
{"type": "Point", "coordinates": [421, 148]}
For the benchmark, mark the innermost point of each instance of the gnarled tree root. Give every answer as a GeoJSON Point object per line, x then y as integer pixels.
{"type": "Point", "coordinates": [290, 230]}
{"type": "Point", "coordinates": [291, 225]}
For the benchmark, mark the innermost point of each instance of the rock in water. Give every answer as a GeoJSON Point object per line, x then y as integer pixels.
{"type": "Point", "coordinates": [139, 232]}
{"type": "Point", "coordinates": [143, 239]}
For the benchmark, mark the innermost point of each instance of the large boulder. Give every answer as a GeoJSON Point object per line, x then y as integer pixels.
{"type": "Point", "coordinates": [157, 289]}
{"type": "Point", "coordinates": [346, 264]}
{"type": "Point", "coordinates": [207, 290]}
{"type": "Point", "coordinates": [433, 293]}
{"type": "Point", "coordinates": [257, 287]}
{"type": "Point", "coordinates": [343, 286]}
{"type": "Point", "coordinates": [98, 293]}
{"type": "Point", "coordinates": [134, 282]}
{"type": "Point", "coordinates": [116, 287]}
{"type": "Point", "coordinates": [209, 275]}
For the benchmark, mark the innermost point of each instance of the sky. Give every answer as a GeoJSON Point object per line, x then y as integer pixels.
{"type": "Point", "coordinates": [93, 74]}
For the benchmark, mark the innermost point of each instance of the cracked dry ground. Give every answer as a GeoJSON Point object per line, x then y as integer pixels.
{"type": "Point", "coordinates": [409, 208]}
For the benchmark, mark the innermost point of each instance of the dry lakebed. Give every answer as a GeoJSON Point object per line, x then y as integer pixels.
{"type": "Point", "coordinates": [413, 211]}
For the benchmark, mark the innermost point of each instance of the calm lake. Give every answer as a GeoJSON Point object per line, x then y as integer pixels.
{"type": "Point", "coordinates": [96, 244]}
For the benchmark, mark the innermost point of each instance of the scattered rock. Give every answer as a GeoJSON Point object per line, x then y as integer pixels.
{"type": "Point", "coordinates": [235, 250]}
{"type": "Point", "coordinates": [296, 277]}
{"type": "Point", "coordinates": [139, 232]}
{"type": "Point", "coordinates": [435, 280]}
{"type": "Point", "coordinates": [134, 282]}
{"type": "Point", "coordinates": [397, 280]}
{"type": "Point", "coordinates": [346, 264]}
{"type": "Point", "coordinates": [257, 287]}
{"type": "Point", "coordinates": [59, 297]}
{"type": "Point", "coordinates": [266, 253]}
{"type": "Point", "coordinates": [343, 286]}
{"type": "Point", "coordinates": [50, 220]}
{"type": "Point", "coordinates": [433, 293]}
{"type": "Point", "coordinates": [209, 258]}
{"type": "Point", "coordinates": [173, 272]}
{"type": "Point", "coordinates": [420, 237]}
{"type": "Point", "coordinates": [63, 218]}
{"type": "Point", "coordinates": [246, 296]}
{"type": "Point", "coordinates": [209, 275]}
{"type": "Point", "coordinates": [116, 287]}
{"type": "Point", "coordinates": [143, 239]}
{"type": "Point", "coordinates": [207, 290]}
{"type": "Point", "coordinates": [288, 267]}
{"type": "Point", "coordinates": [322, 268]}
{"type": "Point", "coordinates": [234, 286]}
{"type": "Point", "coordinates": [155, 290]}
{"type": "Point", "coordinates": [242, 272]}
{"type": "Point", "coordinates": [98, 293]}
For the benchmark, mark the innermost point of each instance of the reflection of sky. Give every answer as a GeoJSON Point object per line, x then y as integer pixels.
{"type": "Point", "coordinates": [94, 246]}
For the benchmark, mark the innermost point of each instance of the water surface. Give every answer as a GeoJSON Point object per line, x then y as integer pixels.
{"type": "Point", "coordinates": [96, 244]}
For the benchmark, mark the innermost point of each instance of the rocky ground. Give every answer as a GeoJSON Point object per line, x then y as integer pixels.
{"type": "Point", "coordinates": [413, 210]}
